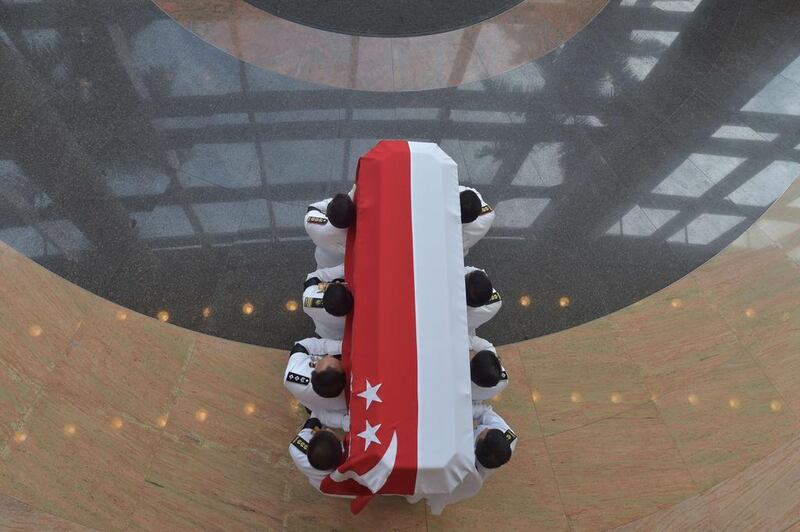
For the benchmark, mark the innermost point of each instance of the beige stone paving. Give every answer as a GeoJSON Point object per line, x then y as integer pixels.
{"type": "Point", "coordinates": [680, 410]}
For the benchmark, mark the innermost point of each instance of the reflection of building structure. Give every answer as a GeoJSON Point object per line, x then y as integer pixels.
{"type": "Point", "coordinates": [617, 163]}
{"type": "Point", "coordinates": [161, 173]}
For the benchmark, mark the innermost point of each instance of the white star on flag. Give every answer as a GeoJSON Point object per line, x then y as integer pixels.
{"type": "Point", "coordinates": [371, 394]}
{"type": "Point", "coordinates": [369, 435]}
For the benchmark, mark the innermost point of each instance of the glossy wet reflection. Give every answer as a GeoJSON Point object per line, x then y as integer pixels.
{"type": "Point", "coordinates": [172, 178]}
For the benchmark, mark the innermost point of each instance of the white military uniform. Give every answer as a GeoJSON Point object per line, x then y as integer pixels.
{"type": "Point", "coordinates": [476, 229]}
{"type": "Point", "coordinates": [298, 451]}
{"type": "Point", "coordinates": [326, 325]}
{"type": "Point", "coordinates": [297, 379]}
{"type": "Point", "coordinates": [479, 393]}
{"type": "Point", "coordinates": [477, 316]}
{"type": "Point", "coordinates": [335, 419]}
{"type": "Point", "coordinates": [483, 418]}
{"type": "Point", "coordinates": [330, 240]}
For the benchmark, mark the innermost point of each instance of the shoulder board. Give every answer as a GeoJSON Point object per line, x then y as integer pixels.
{"type": "Point", "coordinates": [486, 208]}
{"type": "Point", "coordinates": [298, 379]}
{"type": "Point", "coordinates": [317, 220]}
{"type": "Point", "coordinates": [503, 375]}
{"type": "Point", "coordinates": [510, 435]}
{"type": "Point", "coordinates": [312, 302]}
{"type": "Point", "coordinates": [495, 297]}
{"type": "Point", "coordinates": [301, 444]}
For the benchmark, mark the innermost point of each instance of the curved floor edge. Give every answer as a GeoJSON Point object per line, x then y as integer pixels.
{"type": "Point", "coordinates": [522, 34]}
{"type": "Point", "coordinates": [114, 420]}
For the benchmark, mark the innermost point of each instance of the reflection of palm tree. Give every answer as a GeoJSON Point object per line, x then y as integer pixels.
{"type": "Point", "coordinates": [518, 36]}
{"type": "Point", "coordinates": [71, 180]}
{"type": "Point", "coordinates": [139, 130]}
{"type": "Point", "coordinates": [521, 35]}
{"type": "Point", "coordinates": [159, 80]}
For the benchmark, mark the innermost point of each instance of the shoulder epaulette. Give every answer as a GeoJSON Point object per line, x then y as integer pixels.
{"type": "Point", "coordinates": [317, 220]}
{"type": "Point", "coordinates": [312, 302]}
{"type": "Point", "coordinates": [510, 435]}
{"type": "Point", "coordinates": [297, 379]}
{"type": "Point", "coordinates": [495, 297]}
{"type": "Point", "coordinates": [503, 375]}
{"type": "Point", "coordinates": [486, 208]}
{"type": "Point", "coordinates": [300, 444]}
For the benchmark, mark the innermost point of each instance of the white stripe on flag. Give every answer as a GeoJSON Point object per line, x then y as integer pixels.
{"type": "Point", "coordinates": [445, 439]}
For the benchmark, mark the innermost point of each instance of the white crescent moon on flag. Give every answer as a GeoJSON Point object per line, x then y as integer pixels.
{"type": "Point", "coordinates": [375, 478]}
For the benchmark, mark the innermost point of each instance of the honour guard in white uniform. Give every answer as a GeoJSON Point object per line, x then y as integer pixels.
{"type": "Point", "coordinates": [483, 301]}
{"type": "Point", "coordinates": [494, 444]}
{"type": "Point", "coordinates": [477, 217]}
{"type": "Point", "coordinates": [316, 451]}
{"type": "Point", "coordinates": [327, 301]}
{"type": "Point", "coordinates": [326, 222]}
{"type": "Point", "coordinates": [314, 374]}
{"type": "Point", "coordinates": [489, 377]}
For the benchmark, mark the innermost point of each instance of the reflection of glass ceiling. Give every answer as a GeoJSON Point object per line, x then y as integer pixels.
{"type": "Point", "coordinates": [781, 95]}
{"type": "Point", "coordinates": [244, 150]}
{"type": "Point", "coordinates": [728, 172]}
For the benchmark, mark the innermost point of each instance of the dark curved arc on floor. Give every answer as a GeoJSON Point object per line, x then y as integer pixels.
{"type": "Point", "coordinates": [386, 18]}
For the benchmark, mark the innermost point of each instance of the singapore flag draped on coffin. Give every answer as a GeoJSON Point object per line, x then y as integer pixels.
{"type": "Point", "coordinates": [406, 344]}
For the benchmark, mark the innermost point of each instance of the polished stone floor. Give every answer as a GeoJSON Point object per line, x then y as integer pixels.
{"type": "Point", "coordinates": [386, 18]}
{"type": "Point", "coordinates": [155, 170]}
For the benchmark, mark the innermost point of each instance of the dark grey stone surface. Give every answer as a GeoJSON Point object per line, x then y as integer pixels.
{"type": "Point", "coordinates": [159, 172]}
{"type": "Point", "coordinates": [385, 18]}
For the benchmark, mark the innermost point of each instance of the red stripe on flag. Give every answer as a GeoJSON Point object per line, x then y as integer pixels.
{"type": "Point", "coordinates": [380, 337]}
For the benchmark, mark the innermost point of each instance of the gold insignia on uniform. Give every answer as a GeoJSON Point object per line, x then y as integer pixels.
{"type": "Point", "coordinates": [317, 220]}
{"type": "Point", "coordinates": [495, 297]}
{"type": "Point", "coordinates": [301, 444]}
{"type": "Point", "coordinates": [297, 379]}
{"type": "Point", "coordinates": [503, 376]}
{"type": "Point", "coordinates": [510, 435]}
{"type": "Point", "coordinates": [486, 208]}
{"type": "Point", "coordinates": [312, 302]}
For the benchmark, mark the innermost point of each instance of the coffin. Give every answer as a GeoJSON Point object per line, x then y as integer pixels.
{"type": "Point", "coordinates": [406, 345]}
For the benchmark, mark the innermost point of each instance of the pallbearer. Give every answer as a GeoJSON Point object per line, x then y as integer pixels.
{"type": "Point", "coordinates": [316, 451]}
{"type": "Point", "coordinates": [488, 375]}
{"type": "Point", "coordinates": [327, 300]}
{"type": "Point", "coordinates": [326, 222]}
{"type": "Point", "coordinates": [494, 444]}
{"type": "Point", "coordinates": [483, 301]}
{"type": "Point", "coordinates": [477, 217]}
{"type": "Point", "coordinates": [314, 374]}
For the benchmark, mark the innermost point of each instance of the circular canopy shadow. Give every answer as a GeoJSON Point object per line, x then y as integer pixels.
{"type": "Point", "coordinates": [385, 18]}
